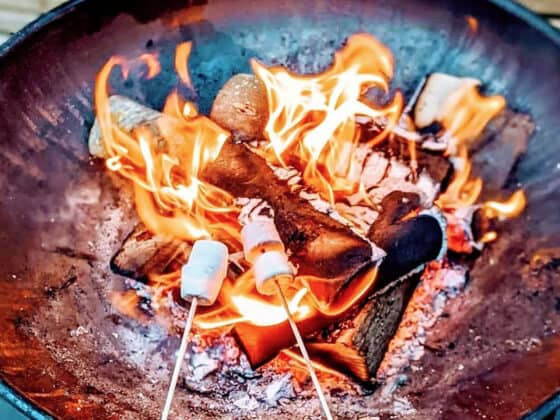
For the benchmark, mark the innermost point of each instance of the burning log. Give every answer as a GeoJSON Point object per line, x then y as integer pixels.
{"type": "Point", "coordinates": [318, 244]}
{"type": "Point", "coordinates": [409, 244]}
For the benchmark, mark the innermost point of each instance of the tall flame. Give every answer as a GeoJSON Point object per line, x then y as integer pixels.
{"type": "Point", "coordinates": [165, 159]}
{"type": "Point", "coordinates": [312, 121]}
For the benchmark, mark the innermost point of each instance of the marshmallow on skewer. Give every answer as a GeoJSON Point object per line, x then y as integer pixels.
{"type": "Point", "coordinates": [203, 275]}
{"type": "Point", "coordinates": [259, 236]}
{"type": "Point", "coordinates": [264, 249]}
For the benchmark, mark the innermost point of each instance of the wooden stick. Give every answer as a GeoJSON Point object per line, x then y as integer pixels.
{"type": "Point", "coordinates": [303, 350]}
{"type": "Point", "coordinates": [179, 361]}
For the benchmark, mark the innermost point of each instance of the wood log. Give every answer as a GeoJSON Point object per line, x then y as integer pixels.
{"type": "Point", "coordinates": [319, 245]}
{"type": "Point", "coordinates": [144, 253]}
{"type": "Point", "coordinates": [498, 150]}
{"type": "Point", "coordinates": [367, 330]}
{"type": "Point", "coordinates": [241, 107]}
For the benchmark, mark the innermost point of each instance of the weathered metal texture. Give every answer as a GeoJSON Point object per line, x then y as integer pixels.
{"type": "Point", "coordinates": [62, 218]}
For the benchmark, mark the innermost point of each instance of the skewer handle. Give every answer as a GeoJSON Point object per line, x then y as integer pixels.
{"type": "Point", "coordinates": [303, 349]}
{"type": "Point", "coordinates": [179, 361]}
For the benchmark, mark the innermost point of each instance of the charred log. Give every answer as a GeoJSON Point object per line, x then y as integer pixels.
{"type": "Point", "coordinates": [503, 142]}
{"type": "Point", "coordinates": [367, 335]}
{"type": "Point", "coordinates": [319, 245]}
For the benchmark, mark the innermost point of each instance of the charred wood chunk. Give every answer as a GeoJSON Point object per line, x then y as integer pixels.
{"type": "Point", "coordinates": [377, 322]}
{"type": "Point", "coordinates": [434, 163]}
{"type": "Point", "coordinates": [319, 245]}
{"type": "Point", "coordinates": [502, 144]}
{"type": "Point", "coordinates": [241, 107]}
{"type": "Point", "coordinates": [409, 244]}
{"type": "Point", "coordinates": [144, 253]}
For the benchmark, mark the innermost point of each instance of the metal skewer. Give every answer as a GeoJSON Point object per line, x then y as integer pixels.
{"type": "Point", "coordinates": [180, 357]}
{"type": "Point", "coordinates": [303, 350]}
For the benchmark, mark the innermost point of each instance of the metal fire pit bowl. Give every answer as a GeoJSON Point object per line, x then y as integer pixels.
{"type": "Point", "coordinates": [61, 217]}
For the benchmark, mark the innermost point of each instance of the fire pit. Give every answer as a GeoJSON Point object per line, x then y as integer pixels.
{"type": "Point", "coordinates": [84, 335]}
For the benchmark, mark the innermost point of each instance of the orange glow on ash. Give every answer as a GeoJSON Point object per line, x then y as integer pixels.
{"type": "Point", "coordinates": [312, 122]}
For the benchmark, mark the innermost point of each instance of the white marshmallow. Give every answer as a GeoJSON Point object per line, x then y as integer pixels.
{"type": "Point", "coordinates": [203, 275]}
{"type": "Point", "coordinates": [260, 236]}
{"type": "Point", "coordinates": [270, 267]}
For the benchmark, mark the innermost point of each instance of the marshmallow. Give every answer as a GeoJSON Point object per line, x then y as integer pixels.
{"type": "Point", "coordinates": [203, 275]}
{"type": "Point", "coordinates": [260, 236]}
{"type": "Point", "coordinates": [270, 267]}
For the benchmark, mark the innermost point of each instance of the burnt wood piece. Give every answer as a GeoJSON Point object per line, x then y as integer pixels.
{"type": "Point", "coordinates": [319, 245]}
{"type": "Point", "coordinates": [501, 145]}
{"type": "Point", "coordinates": [409, 244]}
{"type": "Point", "coordinates": [438, 166]}
{"type": "Point", "coordinates": [144, 253]}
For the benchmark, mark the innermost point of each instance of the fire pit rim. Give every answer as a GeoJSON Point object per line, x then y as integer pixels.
{"type": "Point", "coordinates": [509, 6]}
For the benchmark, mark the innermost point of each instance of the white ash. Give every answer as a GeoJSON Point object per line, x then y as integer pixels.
{"type": "Point", "coordinates": [202, 365]}
{"type": "Point", "coordinates": [425, 307]}
{"type": "Point", "coordinates": [78, 332]}
{"type": "Point", "coordinates": [246, 403]}
{"type": "Point", "coordinates": [398, 178]}
{"type": "Point", "coordinates": [279, 389]}
{"type": "Point", "coordinates": [253, 209]}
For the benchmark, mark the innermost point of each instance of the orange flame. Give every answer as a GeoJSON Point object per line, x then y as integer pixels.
{"type": "Point", "coordinates": [164, 161]}
{"type": "Point", "coordinates": [467, 113]}
{"type": "Point", "coordinates": [312, 121]}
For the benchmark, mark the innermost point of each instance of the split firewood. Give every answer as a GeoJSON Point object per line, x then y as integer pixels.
{"type": "Point", "coordinates": [439, 93]}
{"type": "Point", "coordinates": [410, 244]}
{"type": "Point", "coordinates": [319, 245]}
{"type": "Point", "coordinates": [499, 146]}
{"type": "Point", "coordinates": [144, 253]}
{"type": "Point", "coordinates": [241, 107]}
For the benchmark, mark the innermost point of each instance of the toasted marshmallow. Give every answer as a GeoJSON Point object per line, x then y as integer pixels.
{"type": "Point", "coordinates": [260, 236]}
{"type": "Point", "coordinates": [271, 267]}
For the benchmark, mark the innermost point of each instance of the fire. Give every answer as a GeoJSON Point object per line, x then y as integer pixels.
{"type": "Point", "coordinates": [164, 161]}
{"type": "Point", "coordinates": [313, 126]}
{"type": "Point", "coordinates": [312, 122]}
{"type": "Point", "coordinates": [467, 113]}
